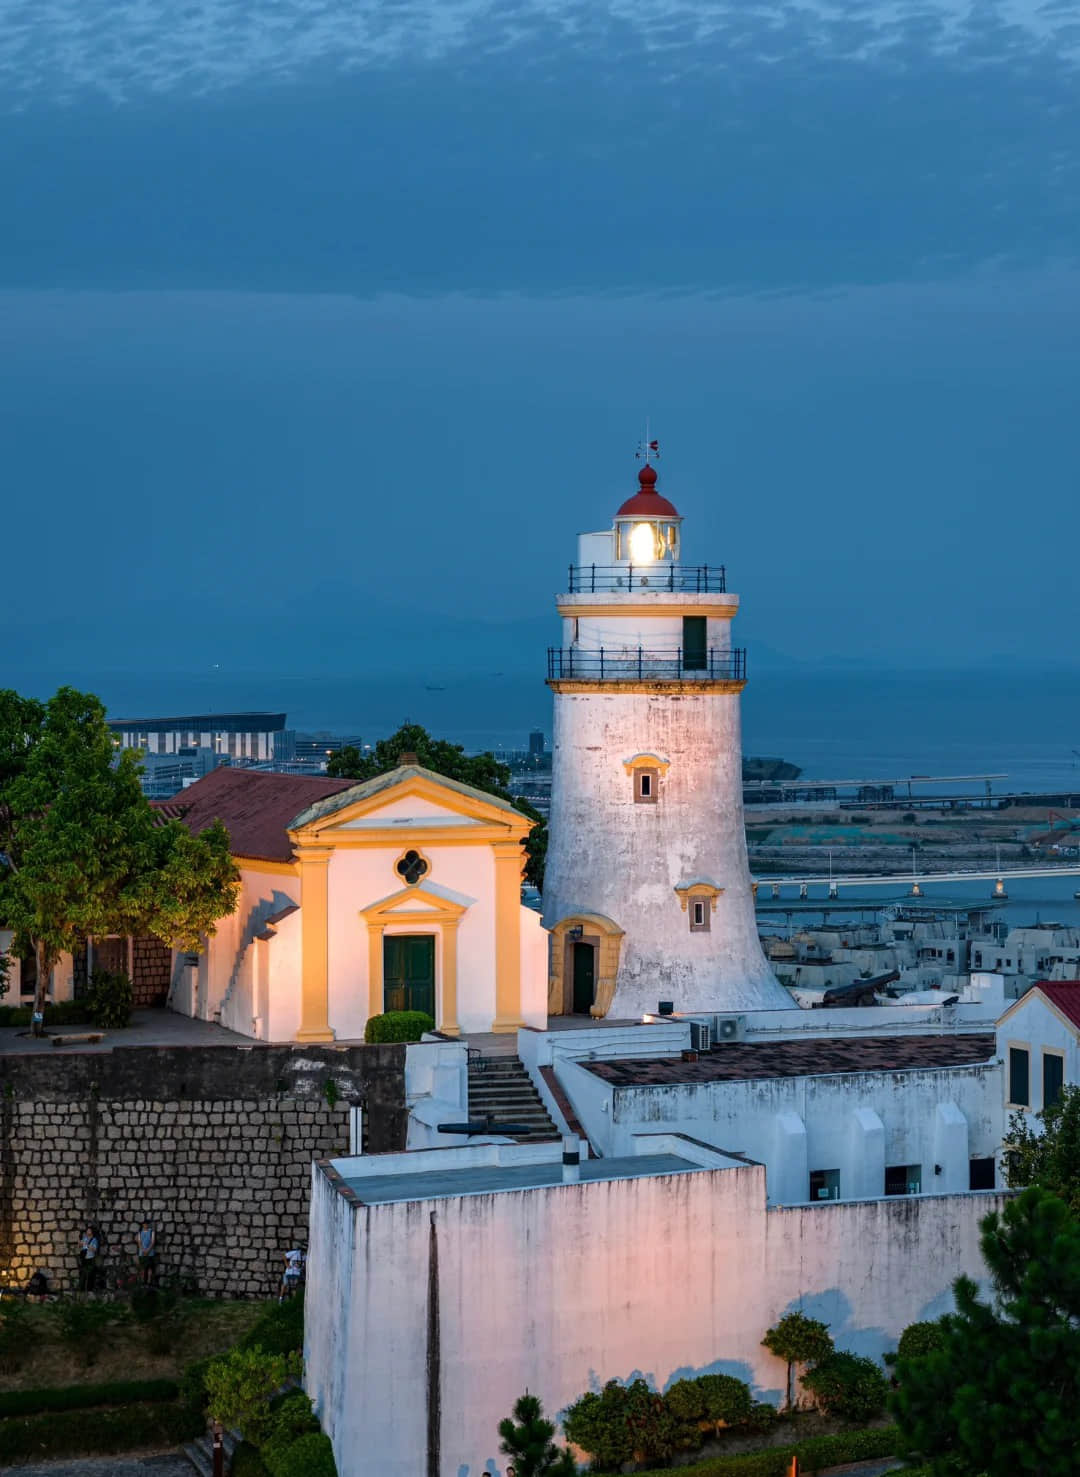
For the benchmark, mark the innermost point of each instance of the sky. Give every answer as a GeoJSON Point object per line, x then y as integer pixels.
{"type": "Point", "coordinates": [325, 327]}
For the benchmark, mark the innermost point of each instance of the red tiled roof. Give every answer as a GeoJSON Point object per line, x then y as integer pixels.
{"type": "Point", "coordinates": [1065, 994]}
{"type": "Point", "coordinates": [255, 807]}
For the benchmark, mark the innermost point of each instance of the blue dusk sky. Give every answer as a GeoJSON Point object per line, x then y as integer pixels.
{"type": "Point", "coordinates": [326, 326]}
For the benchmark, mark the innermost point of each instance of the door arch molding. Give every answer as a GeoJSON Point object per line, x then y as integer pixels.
{"type": "Point", "coordinates": [606, 935]}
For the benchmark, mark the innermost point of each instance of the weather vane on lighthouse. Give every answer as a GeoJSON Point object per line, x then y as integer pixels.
{"type": "Point", "coordinates": [648, 451]}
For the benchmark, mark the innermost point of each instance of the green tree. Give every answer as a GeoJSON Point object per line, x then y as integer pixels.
{"type": "Point", "coordinates": [1000, 1395]}
{"type": "Point", "coordinates": [526, 1440]}
{"type": "Point", "coordinates": [847, 1385]}
{"type": "Point", "coordinates": [797, 1339]}
{"type": "Point", "coordinates": [482, 771]}
{"type": "Point", "coordinates": [81, 849]}
{"type": "Point", "coordinates": [241, 1386]}
{"type": "Point", "coordinates": [1049, 1157]}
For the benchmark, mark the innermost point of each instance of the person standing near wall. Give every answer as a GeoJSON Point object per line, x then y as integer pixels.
{"type": "Point", "coordinates": [88, 1250]}
{"type": "Point", "coordinates": [146, 1250]}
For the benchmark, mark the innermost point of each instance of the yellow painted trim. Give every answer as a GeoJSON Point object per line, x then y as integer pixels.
{"type": "Point", "coordinates": [607, 937]}
{"type": "Point", "coordinates": [655, 608]}
{"type": "Point", "coordinates": [699, 889]}
{"type": "Point", "coordinates": [418, 836]}
{"type": "Point", "coordinates": [417, 785]}
{"type": "Point", "coordinates": [647, 761]}
{"type": "Point", "coordinates": [509, 869]}
{"type": "Point", "coordinates": [441, 920]}
{"type": "Point", "coordinates": [314, 1001]}
{"type": "Point", "coordinates": [676, 687]}
{"type": "Point", "coordinates": [256, 864]}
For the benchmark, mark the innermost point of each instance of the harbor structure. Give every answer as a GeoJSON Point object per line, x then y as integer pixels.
{"type": "Point", "coordinates": [647, 892]}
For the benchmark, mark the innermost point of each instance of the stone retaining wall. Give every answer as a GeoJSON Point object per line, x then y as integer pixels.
{"type": "Point", "coordinates": [213, 1144]}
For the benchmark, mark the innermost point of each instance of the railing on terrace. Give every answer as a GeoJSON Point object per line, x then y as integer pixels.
{"type": "Point", "coordinates": [629, 664]}
{"type": "Point", "coordinates": [701, 579]}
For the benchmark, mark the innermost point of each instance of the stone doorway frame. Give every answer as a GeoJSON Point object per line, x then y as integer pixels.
{"type": "Point", "coordinates": [606, 937]}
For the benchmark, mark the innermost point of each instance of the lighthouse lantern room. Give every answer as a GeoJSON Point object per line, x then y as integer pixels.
{"type": "Point", "coordinates": [647, 891]}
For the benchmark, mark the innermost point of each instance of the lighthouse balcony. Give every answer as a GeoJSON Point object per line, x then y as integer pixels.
{"type": "Point", "coordinates": [640, 664]}
{"type": "Point", "coordinates": [700, 579]}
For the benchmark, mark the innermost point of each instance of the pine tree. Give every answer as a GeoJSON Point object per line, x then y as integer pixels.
{"type": "Point", "coordinates": [526, 1440]}
{"type": "Point", "coordinates": [1001, 1396]}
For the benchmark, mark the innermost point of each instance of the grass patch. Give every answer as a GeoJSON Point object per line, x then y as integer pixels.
{"type": "Point", "coordinates": [101, 1431]}
{"type": "Point", "coordinates": [83, 1397]}
{"type": "Point", "coordinates": [126, 1350]}
{"type": "Point", "coordinates": [815, 1454]}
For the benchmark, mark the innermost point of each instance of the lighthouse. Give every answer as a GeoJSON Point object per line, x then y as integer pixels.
{"type": "Point", "coordinates": [647, 891]}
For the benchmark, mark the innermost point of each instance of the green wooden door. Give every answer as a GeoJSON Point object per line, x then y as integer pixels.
{"type": "Point", "coordinates": [409, 972]}
{"type": "Point", "coordinates": [584, 978]}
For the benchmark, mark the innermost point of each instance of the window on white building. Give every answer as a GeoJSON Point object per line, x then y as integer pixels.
{"type": "Point", "coordinates": [903, 1179]}
{"type": "Point", "coordinates": [1053, 1073]}
{"type": "Point", "coordinates": [700, 913]}
{"type": "Point", "coordinates": [824, 1184]}
{"type": "Point", "coordinates": [1019, 1077]}
{"type": "Point", "coordinates": [981, 1174]}
{"type": "Point", "coordinates": [645, 786]}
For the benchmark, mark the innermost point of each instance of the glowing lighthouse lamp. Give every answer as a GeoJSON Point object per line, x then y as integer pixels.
{"type": "Point", "coordinates": [647, 525]}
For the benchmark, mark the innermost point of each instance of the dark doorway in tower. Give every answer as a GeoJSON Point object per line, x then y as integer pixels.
{"type": "Point", "coordinates": [695, 656]}
{"type": "Point", "coordinates": [584, 970]}
{"type": "Point", "coordinates": [409, 972]}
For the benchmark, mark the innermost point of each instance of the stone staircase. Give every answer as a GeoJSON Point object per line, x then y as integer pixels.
{"type": "Point", "coordinates": [201, 1453]}
{"type": "Point", "coordinates": [500, 1088]}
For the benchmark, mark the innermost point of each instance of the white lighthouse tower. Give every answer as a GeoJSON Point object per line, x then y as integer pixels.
{"type": "Point", "coordinates": [647, 889]}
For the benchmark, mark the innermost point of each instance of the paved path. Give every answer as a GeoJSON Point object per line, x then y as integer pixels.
{"type": "Point", "coordinates": [169, 1464]}
{"type": "Point", "coordinates": [147, 1028]}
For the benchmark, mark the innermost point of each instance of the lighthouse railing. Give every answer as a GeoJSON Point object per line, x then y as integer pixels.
{"type": "Point", "coordinates": [639, 663]}
{"type": "Point", "coordinates": [686, 579]}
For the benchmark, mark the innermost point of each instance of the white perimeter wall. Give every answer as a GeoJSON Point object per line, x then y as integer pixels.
{"type": "Point", "coordinates": [855, 1122]}
{"type": "Point", "coordinates": [558, 1290]}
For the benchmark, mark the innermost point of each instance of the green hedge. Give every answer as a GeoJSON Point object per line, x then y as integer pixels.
{"type": "Point", "coordinates": [397, 1025]}
{"type": "Point", "coordinates": [815, 1454]}
{"type": "Point", "coordinates": [309, 1456]}
{"type": "Point", "coordinates": [279, 1330]}
{"type": "Point", "coordinates": [246, 1462]}
{"type": "Point", "coordinates": [97, 1432]}
{"type": "Point", "coordinates": [64, 1013]}
{"type": "Point", "coordinates": [85, 1397]}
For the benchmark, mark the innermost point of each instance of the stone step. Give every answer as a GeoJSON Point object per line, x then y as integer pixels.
{"type": "Point", "coordinates": [502, 1089]}
{"type": "Point", "coordinates": [200, 1453]}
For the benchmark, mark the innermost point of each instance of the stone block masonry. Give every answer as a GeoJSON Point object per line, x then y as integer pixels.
{"type": "Point", "coordinates": [213, 1144]}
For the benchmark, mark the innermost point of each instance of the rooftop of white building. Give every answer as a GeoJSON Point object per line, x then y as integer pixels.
{"type": "Point", "coordinates": [492, 1168]}
{"type": "Point", "coordinates": [816, 1057]}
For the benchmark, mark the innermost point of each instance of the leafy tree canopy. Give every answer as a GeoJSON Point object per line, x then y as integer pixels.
{"type": "Point", "coordinates": [482, 771]}
{"type": "Point", "coordinates": [83, 850]}
{"type": "Point", "coordinates": [1000, 1395]}
{"type": "Point", "coordinates": [798, 1339]}
{"type": "Point", "coordinates": [1049, 1157]}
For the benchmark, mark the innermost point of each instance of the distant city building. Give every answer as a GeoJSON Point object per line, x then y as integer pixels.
{"type": "Point", "coordinates": [319, 746]}
{"type": "Point", "coordinates": [536, 743]}
{"type": "Point", "coordinates": [248, 736]}
{"type": "Point", "coordinates": [164, 775]}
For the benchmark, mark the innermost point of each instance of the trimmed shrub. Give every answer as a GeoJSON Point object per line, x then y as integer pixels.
{"type": "Point", "coordinates": [797, 1339]}
{"type": "Point", "coordinates": [241, 1385]}
{"type": "Point", "coordinates": [847, 1385]}
{"type": "Point", "coordinates": [763, 1416]}
{"type": "Point", "coordinates": [193, 1383]}
{"type": "Point", "coordinates": [85, 1397]}
{"type": "Point", "coordinates": [921, 1338]}
{"type": "Point", "coordinates": [278, 1330]}
{"type": "Point", "coordinates": [625, 1422]}
{"type": "Point", "coordinates": [247, 1462]}
{"type": "Point", "coordinates": [815, 1454]}
{"type": "Point", "coordinates": [63, 1013]}
{"type": "Point", "coordinates": [711, 1401]}
{"type": "Point", "coordinates": [397, 1025]}
{"type": "Point", "coordinates": [310, 1456]}
{"type": "Point", "coordinates": [291, 1418]}
{"type": "Point", "coordinates": [110, 998]}
{"type": "Point", "coordinates": [77, 1432]}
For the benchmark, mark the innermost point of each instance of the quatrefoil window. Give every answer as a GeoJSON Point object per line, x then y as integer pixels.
{"type": "Point", "coordinates": [411, 867]}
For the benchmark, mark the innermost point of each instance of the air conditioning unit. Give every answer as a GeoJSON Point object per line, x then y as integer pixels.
{"type": "Point", "coordinates": [700, 1036]}
{"type": "Point", "coordinates": [729, 1028]}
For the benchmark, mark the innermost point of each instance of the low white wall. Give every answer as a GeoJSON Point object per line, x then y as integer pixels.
{"type": "Point", "coordinates": [543, 1048]}
{"type": "Point", "coordinates": [556, 1290]}
{"type": "Point", "coordinates": [854, 1122]}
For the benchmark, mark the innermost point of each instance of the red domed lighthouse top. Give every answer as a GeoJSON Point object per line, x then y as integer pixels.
{"type": "Point", "coordinates": [647, 502]}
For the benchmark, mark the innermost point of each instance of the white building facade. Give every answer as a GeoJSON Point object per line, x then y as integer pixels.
{"type": "Point", "coordinates": [647, 890]}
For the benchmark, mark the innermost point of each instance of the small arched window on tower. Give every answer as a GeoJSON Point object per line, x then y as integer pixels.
{"type": "Point", "coordinates": [645, 772]}
{"type": "Point", "coordinates": [698, 899]}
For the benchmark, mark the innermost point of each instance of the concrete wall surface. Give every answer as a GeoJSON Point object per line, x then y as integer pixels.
{"type": "Point", "coordinates": [213, 1144]}
{"type": "Point", "coordinates": [427, 1319]}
